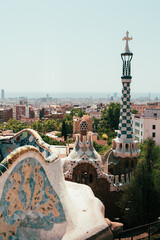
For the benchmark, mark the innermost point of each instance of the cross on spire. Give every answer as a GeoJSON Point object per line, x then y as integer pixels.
{"type": "Point", "coordinates": [127, 38]}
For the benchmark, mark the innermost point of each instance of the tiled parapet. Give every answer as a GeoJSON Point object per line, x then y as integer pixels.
{"type": "Point", "coordinates": [36, 201]}
{"type": "Point", "coordinates": [28, 198]}
{"type": "Point", "coordinates": [26, 137]}
{"type": "Point", "coordinates": [20, 151]}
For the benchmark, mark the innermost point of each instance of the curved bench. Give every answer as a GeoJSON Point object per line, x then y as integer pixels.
{"type": "Point", "coordinates": [36, 203]}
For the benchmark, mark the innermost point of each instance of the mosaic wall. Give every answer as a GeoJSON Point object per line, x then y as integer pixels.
{"type": "Point", "coordinates": [28, 200]}
{"type": "Point", "coordinates": [24, 138]}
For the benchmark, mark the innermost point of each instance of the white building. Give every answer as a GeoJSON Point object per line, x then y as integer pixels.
{"type": "Point", "coordinates": [147, 125]}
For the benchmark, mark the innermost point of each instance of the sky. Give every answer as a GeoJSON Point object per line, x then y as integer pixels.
{"type": "Point", "coordinates": [75, 45]}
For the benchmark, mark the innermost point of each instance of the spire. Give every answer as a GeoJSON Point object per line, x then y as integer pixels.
{"type": "Point", "coordinates": [124, 145]}
{"type": "Point", "coordinates": [126, 58]}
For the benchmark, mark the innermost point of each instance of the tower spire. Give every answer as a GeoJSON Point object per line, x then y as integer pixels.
{"type": "Point", "coordinates": [124, 145]}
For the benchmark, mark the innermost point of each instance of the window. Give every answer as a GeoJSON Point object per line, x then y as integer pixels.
{"type": "Point", "coordinates": [127, 146]}
{"type": "Point", "coordinates": [90, 178]}
{"type": "Point", "coordinates": [136, 131]}
{"type": "Point", "coordinates": [153, 134]}
{"type": "Point", "coordinates": [153, 126]}
{"type": "Point", "coordinates": [155, 115]}
{"type": "Point", "coordinates": [137, 124]}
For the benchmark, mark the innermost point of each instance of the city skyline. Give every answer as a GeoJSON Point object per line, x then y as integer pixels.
{"type": "Point", "coordinates": [59, 46]}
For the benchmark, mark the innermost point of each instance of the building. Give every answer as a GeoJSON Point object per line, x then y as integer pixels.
{"type": "Point", "coordinates": [147, 125]}
{"type": "Point", "coordinates": [139, 107]}
{"type": "Point", "coordinates": [77, 120]}
{"type": "Point", "coordinates": [84, 165]}
{"type": "Point", "coordinates": [31, 113]}
{"type": "Point", "coordinates": [142, 107]}
{"type": "Point", "coordinates": [5, 114]}
{"type": "Point", "coordinates": [20, 111]}
{"type": "Point", "coordinates": [23, 101]}
{"type": "Point", "coordinates": [2, 94]}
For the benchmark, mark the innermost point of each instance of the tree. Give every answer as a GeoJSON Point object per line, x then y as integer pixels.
{"type": "Point", "coordinates": [141, 196]}
{"type": "Point", "coordinates": [109, 120]}
{"type": "Point", "coordinates": [77, 112]}
{"type": "Point", "coordinates": [95, 124]}
{"type": "Point", "coordinates": [41, 113]}
{"type": "Point", "coordinates": [50, 140]}
{"type": "Point", "coordinates": [134, 111]}
{"type": "Point", "coordinates": [15, 125]}
{"type": "Point", "coordinates": [64, 130]}
{"type": "Point", "coordinates": [100, 148]}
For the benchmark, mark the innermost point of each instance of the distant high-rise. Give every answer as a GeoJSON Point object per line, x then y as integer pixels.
{"type": "Point", "coordinates": [2, 94]}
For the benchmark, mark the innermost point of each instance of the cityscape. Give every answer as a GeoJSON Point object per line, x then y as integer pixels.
{"type": "Point", "coordinates": [79, 120]}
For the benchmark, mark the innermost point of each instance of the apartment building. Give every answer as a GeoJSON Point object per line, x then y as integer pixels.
{"type": "Point", "coordinates": [147, 125]}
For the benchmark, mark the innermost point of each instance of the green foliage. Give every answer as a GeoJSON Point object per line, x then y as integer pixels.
{"type": "Point", "coordinates": [109, 120]}
{"type": "Point", "coordinates": [100, 148]}
{"type": "Point", "coordinates": [58, 134]}
{"type": "Point", "coordinates": [142, 195]}
{"type": "Point", "coordinates": [77, 112]}
{"type": "Point", "coordinates": [15, 125]}
{"type": "Point", "coordinates": [41, 113]}
{"type": "Point", "coordinates": [47, 125]}
{"type": "Point", "coordinates": [64, 130]}
{"type": "Point", "coordinates": [95, 124]}
{"type": "Point", "coordinates": [69, 123]}
{"type": "Point", "coordinates": [51, 141]}
{"type": "Point", "coordinates": [134, 111]}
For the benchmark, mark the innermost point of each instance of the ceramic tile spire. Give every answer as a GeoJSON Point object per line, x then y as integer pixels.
{"type": "Point", "coordinates": [125, 123]}
{"type": "Point", "coordinates": [124, 145]}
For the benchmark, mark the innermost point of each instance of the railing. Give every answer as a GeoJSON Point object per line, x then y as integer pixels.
{"type": "Point", "coordinates": [142, 232]}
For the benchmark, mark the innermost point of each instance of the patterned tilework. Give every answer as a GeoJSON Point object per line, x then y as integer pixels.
{"type": "Point", "coordinates": [24, 138]}
{"type": "Point", "coordinates": [125, 122]}
{"type": "Point", "coordinates": [13, 156]}
{"type": "Point", "coordinates": [85, 148]}
{"type": "Point", "coordinates": [28, 200]}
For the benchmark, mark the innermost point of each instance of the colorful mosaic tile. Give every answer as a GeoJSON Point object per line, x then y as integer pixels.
{"type": "Point", "coordinates": [25, 137]}
{"type": "Point", "coordinates": [28, 200]}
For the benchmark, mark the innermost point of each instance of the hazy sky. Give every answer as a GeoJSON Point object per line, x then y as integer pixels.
{"type": "Point", "coordinates": [75, 45]}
